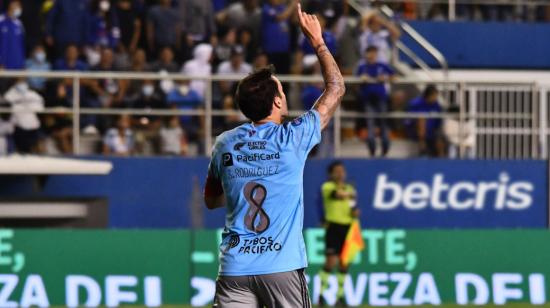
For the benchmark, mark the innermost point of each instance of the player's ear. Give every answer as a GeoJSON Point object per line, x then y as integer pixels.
{"type": "Point", "coordinates": [278, 102]}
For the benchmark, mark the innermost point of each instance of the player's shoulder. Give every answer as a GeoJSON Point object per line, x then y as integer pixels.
{"type": "Point", "coordinates": [308, 116]}
{"type": "Point", "coordinates": [229, 137]}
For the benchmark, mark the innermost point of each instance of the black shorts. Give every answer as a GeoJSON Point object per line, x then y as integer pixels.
{"type": "Point", "coordinates": [335, 236]}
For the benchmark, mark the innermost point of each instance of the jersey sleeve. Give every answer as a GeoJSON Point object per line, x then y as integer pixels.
{"type": "Point", "coordinates": [306, 132]}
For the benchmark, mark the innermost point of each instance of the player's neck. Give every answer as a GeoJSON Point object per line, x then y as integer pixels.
{"type": "Point", "coordinates": [271, 118]}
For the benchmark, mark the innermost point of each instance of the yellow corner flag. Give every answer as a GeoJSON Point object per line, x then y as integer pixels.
{"type": "Point", "coordinates": [354, 243]}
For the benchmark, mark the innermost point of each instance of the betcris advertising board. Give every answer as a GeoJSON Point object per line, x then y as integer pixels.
{"type": "Point", "coordinates": [443, 193]}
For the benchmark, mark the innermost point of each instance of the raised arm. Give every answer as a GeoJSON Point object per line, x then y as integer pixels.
{"type": "Point", "coordinates": [329, 101]}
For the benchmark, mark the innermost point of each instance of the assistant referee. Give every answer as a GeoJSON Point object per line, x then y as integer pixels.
{"type": "Point", "coordinates": [339, 204]}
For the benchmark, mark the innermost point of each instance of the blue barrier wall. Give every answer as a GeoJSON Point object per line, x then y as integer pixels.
{"type": "Point", "coordinates": [158, 192]}
{"type": "Point", "coordinates": [486, 45]}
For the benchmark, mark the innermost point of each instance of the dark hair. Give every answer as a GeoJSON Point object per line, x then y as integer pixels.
{"type": "Point", "coordinates": [255, 94]}
{"type": "Point", "coordinates": [371, 48]}
{"type": "Point", "coordinates": [333, 165]}
{"type": "Point", "coordinates": [429, 91]}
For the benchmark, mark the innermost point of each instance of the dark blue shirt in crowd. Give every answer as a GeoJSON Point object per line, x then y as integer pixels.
{"type": "Point", "coordinates": [330, 41]}
{"type": "Point", "coordinates": [310, 94]}
{"type": "Point", "coordinates": [275, 34]}
{"type": "Point", "coordinates": [187, 101]}
{"type": "Point", "coordinates": [12, 43]}
{"type": "Point", "coordinates": [62, 65]}
{"type": "Point", "coordinates": [68, 22]}
{"type": "Point", "coordinates": [374, 71]}
{"type": "Point", "coordinates": [419, 104]}
{"type": "Point", "coordinates": [219, 5]}
{"type": "Point", "coordinates": [104, 34]}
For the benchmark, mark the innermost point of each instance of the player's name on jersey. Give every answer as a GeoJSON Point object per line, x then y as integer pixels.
{"type": "Point", "coordinates": [252, 172]}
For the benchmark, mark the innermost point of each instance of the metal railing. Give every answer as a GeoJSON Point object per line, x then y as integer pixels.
{"type": "Point", "coordinates": [511, 119]}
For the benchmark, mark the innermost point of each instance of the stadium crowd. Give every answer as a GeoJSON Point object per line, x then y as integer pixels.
{"type": "Point", "coordinates": [194, 37]}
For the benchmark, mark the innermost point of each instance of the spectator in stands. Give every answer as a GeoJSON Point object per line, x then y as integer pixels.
{"type": "Point", "coordinates": [130, 33]}
{"type": "Point", "coordinates": [459, 135]}
{"type": "Point", "coordinates": [132, 88]}
{"type": "Point", "coordinates": [59, 125]}
{"type": "Point", "coordinates": [25, 104]}
{"type": "Point", "coordinates": [12, 38]}
{"type": "Point", "coordinates": [199, 66]}
{"type": "Point", "coordinates": [165, 62]}
{"type": "Point", "coordinates": [426, 131]}
{"type": "Point", "coordinates": [149, 98]}
{"type": "Point", "coordinates": [378, 32]}
{"type": "Point", "coordinates": [331, 10]}
{"type": "Point", "coordinates": [107, 90]}
{"type": "Point", "coordinates": [67, 24]}
{"type": "Point", "coordinates": [104, 27]}
{"type": "Point", "coordinates": [38, 62]}
{"type": "Point", "coordinates": [6, 130]}
{"type": "Point", "coordinates": [88, 90]}
{"type": "Point", "coordinates": [222, 51]}
{"type": "Point", "coordinates": [119, 140]}
{"type": "Point", "coordinates": [184, 97]}
{"type": "Point", "coordinates": [374, 97]}
{"type": "Point", "coordinates": [172, 138]}
{"type": "Point", "coordinates": [305, 49]}
{"type": "Point", "coordinates": [234, 66]}
{"type": "Point", "coordinates": [260, 60]}
{"type": "Point", "coordinates": [198, 21]}
{"type": "Point", "coordinates": [71, 61]}
{"type": "Point", "coordinates": [32, 19]}
{"type": "Point", "coordinates": [244, 14]}
{"type": "Point", "coordinates": [249, 44]}
{"type": "Point", "coordinates": [276, 33]}
{"type": "Point", "coordinates": [163, 27]}
{"type": "Point", "coordinates": [146, 127]}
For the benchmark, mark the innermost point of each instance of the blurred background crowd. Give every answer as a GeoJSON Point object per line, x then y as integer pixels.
{"type": "Point", "coordinates": [202, 38]}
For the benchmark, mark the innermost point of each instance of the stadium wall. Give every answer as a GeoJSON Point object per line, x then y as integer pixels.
{"type": "Point", "coordinates": [167, 192]}
{"type": "Point", "coordinates": [152, 268]}
{"type": "Point", "coordinates": [485, 45]}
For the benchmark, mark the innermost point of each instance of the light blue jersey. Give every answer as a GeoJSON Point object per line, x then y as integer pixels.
{"type": "Point", "coordinates": [261, 171]}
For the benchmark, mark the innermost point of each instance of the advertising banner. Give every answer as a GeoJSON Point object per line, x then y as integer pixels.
{"type": "Point", "coordinates": [442, 193]}
{"type": "Point", "coordinates": [417, 194]}
{"type": "Point", "coordinates": [154, 268]}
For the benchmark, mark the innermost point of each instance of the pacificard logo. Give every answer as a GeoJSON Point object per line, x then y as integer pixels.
{"type": "Point", "coordinates": [464, 195]}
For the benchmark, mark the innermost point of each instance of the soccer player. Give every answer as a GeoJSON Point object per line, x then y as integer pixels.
{"type": "Point", "coordinates": [339, 212]}
{"type": "Point", "coordinates": [256, 170]}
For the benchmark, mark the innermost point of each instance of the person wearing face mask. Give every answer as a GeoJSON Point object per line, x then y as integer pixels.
{"type": "Point", "coordinates": [25, 104]}
{"type": "Point", "coordinates": [146, 126]}
{"type": "Point", "coordinates": [184, 97]}
{"type": "Point", "coordinates": [105, 31]}
{"type": "Point", "coordinates": [148, 99]}
{"type": "Point", "coordinates": [38, 63]}
{"type": "Point", "coordinates": [12, 37]}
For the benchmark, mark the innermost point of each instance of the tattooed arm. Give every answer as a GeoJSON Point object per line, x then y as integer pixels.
{"type": "Point", "coordinates": [329, 101]}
